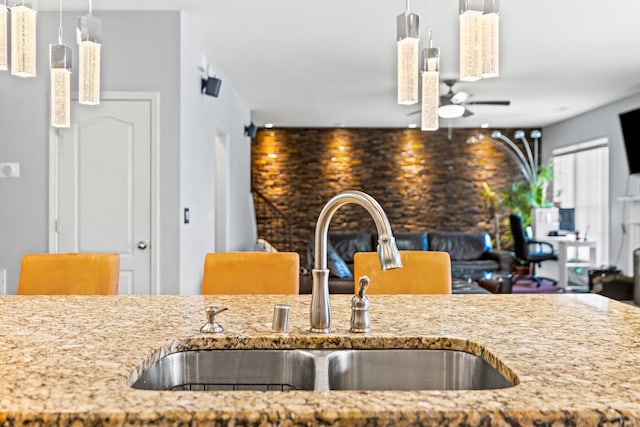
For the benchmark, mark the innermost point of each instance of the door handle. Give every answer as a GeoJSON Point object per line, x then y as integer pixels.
{"type": "Point", "coordinates": [142, 245]}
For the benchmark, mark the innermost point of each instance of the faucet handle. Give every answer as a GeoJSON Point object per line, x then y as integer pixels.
{"type": "Point", "coordinates": [212, 326]}
{"type": "Point", "coordinates": [360, 318]}
{"type": "Point", "coordinates": [363, 284]}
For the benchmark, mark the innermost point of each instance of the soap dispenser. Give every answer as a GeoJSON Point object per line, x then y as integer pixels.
{"type": "Point", "coordinates": [360, 319]}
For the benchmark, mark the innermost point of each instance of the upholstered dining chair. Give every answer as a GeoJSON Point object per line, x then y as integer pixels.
{"type": "Point", "coordinates": [69, 274]}
{"type": "Point", "coordinates": [251, 273]}
{"type": "Point", "coordinates": [422, 272]}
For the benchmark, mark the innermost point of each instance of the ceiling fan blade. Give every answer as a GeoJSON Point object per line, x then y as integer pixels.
{"type": "Point", "coordinates": [412, 113]}
{"type": "Point", "coordinates": [467, 113]}
{"type": "Point", "coordinates": [489, 103]}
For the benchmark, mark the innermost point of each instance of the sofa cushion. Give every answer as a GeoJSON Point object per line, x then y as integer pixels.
{"type": "Point", "coordinates": [347, 244]}
{"type": "Point", "coordinates": [412, 241]}
{"type": "Point", "coordinates": [335, 264]}
{"type": "Point", "coordinates": [473, 269]}
{"type": "Point", "coordinates": [461, 246]}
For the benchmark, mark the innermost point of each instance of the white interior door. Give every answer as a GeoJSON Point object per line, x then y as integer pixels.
{"type": "Point", "coordinates": [104, 187]}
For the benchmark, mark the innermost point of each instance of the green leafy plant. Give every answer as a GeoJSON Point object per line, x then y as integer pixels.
{"type": "Point", "coordinates": [524, 195]}
{"type": "Point", "coordinates": [493, 204]}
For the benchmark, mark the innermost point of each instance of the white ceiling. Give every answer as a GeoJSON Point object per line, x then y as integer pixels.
{"type": "Point", "coordinates": [324, 63]}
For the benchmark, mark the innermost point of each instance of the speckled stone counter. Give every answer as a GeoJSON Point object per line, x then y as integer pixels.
{"type": "Point", "coordinates": [71, 360]}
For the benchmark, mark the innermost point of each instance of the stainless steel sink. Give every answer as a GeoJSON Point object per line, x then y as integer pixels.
{"type": "Point", "coordinates": [411, 370]}
{"type": "Point", "coordinates": [321, 370]}
{"type": "Point", "coordinates": [231, 370]}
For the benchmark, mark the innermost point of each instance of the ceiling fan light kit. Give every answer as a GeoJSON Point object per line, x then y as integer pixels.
{"type": "Point", "coordinates": [451, 111]}
{"type": "Point", "coordinates": [454, 104]}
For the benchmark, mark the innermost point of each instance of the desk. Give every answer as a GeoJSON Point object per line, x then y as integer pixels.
{"type": "Point", "coordinates": [564, 263]}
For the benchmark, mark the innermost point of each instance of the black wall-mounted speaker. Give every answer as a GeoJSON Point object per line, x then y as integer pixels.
{"type": "Point", "coordinates": [250, 130]}
{"type": "Point", "coordinates": [211, 86]}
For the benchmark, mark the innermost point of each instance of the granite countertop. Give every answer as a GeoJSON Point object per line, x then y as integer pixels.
{"type": "Point", "coordinates": [71, 360]}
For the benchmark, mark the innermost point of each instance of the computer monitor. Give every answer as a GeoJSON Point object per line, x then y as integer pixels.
{"type": "Point", "coordinates": [567, 221]}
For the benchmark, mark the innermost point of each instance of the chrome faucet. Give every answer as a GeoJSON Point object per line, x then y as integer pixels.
{"type": "Point", "coordinates": [320, 316]}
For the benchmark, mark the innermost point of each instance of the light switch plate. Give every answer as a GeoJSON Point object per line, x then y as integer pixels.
{"type": "Point", "coordinates": [9, 170]}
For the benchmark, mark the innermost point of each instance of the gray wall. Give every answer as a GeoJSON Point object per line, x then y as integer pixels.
{"type": "Point", "coordinates": [603, 122]}
{"type": "Point", "coordinates": [201, 117]}
{"type": "Point", "coordinates": [142, 51]}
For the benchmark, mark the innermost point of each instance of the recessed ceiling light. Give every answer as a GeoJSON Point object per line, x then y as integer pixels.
{"type": "Point", "coordinates": [484, 125]}
{"type": "Point", "coordinates": [412, 125]}
{"type": "Point", "coordinates": [268, 125]}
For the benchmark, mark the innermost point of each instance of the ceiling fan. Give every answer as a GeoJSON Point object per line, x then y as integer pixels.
{"type": "Point", "coordinates": [454, 104]}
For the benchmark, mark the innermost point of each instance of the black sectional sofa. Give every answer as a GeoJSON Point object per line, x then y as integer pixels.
{"type": "Point", "coordinates": [472, 257]}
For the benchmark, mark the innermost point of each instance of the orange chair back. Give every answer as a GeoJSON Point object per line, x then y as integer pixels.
{"type": "Point", "coordinates": [422, 272]}
{"type": "Point", "coordinates": [251, 273]}
{"type": "Point", "coordinates": [69, 274]}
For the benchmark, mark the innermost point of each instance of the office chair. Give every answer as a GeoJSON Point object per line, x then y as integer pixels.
{"type": "Point", "coordinates": [532, 251]}
{"type": "Point", "coordinates": [251, 273]}
{"type": "Point", "coordinates": [69, 274]}
{"type": "Point", "coordinates": [422, 272]}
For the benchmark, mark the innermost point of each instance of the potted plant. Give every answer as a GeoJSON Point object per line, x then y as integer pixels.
{"type": "Point", "coordinates": [526, 195]}
{"type": "Point", "coordinates": [493, 204]}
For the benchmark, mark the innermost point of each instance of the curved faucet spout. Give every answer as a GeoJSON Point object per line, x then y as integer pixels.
{"type": "Point", "coordinates": [387, 252]}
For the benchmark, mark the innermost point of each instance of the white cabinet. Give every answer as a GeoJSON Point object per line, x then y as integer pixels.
{"type": "Point", "coordinates": [570, 256]}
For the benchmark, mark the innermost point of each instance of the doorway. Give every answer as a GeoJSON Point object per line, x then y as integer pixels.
{"type": "Point", "coordinates": [221, 186]}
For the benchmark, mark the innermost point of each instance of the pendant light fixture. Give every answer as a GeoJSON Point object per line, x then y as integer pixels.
{"type": "Point", "coordinates": [430, 86]}
{"type": "Point", "coordinates": [89, 31]}
{"type": "Point", "coordinates": [23, 38]}
{"type": "Point", "coordinates": [471, 40]}
{"type": "Point", "coordinates": [60, 65]}
{"type": "Point", "coordinates": [490, 39]}
{"type": "Point", "coordinates": [4, 33]}
{"type": "Point", "coordinates": [408, 30]}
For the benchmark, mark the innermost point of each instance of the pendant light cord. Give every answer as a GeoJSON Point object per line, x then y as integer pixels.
{"type": "Point", "coordinates": [408, 6]}
{"type": "Point", "coordinates": [60, 24]}
{"type": "Point", "coordinates": [429, 19]}
{"type": "Point", "coordinates": [90, 8]}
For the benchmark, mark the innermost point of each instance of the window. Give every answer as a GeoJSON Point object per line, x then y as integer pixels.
{"type": "Point", "coordinates": [581, 181]}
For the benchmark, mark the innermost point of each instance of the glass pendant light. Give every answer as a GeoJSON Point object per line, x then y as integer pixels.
{"type": "Point", "coordinates": [490, 39]}
{"type": "Point", "coordinates": [408, 30]}
{"type": "Point", "coordinates": [89, 30]}
{"type": "Point", "coordinates": [430, 86]}
{"type": "Point", "coordinates": [60, 65]}
{"type": "Point", "coordinates": [23, 38]}
{"type": "Point", "coordinates": [471, 40]}
{"type": "Point", "coordinates": [4, 27]}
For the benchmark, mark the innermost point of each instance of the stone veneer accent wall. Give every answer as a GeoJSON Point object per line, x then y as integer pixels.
{"type": "Point", "coordinates": [422, 180]}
